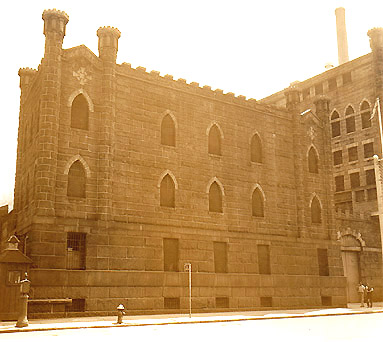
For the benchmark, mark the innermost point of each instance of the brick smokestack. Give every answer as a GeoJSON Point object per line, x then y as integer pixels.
{"type": "Point", "coordinates": [341, 34]}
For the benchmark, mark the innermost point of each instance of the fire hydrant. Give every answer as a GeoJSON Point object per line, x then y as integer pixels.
{"type": "Point", "coordinates": [120, 313]}
{"type": "Point", "coordinates": [25, 286]}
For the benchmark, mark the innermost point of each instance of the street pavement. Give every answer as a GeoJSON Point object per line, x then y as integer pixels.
{"type": "Point", "coordinates": [111, 321]}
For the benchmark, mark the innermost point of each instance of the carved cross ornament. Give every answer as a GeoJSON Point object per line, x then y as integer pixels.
{"type": "Point", "coordinates": [82, 76]}
{"type": "Point", "coordinates": [311, 133]}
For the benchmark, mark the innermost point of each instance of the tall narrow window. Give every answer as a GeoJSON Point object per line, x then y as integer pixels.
{"type": "Point", "coordinates": [350, 119]}
{"type": "Point", "coordinates": [215, 198]}
{"type": "Point", "coordinates": [220, 257]}
{"type": "Point", "coordinates": [337, 157]}
{"type": "Point", "coordinates": [323, 262]}
{"type": "Point", "coordinates": [76, 180]}
{"type": "Point", "coordinates": [339, 183]}
{"type": "Point", "coordinates": [256, 149]}
{"type": "Point", "coordinates": [352, 153]}
{"type": "Point", "coordinates": [171, 255]}
{"type": "Point", "coordinates": [335, 124]}
{"type": "Point", "coordinates": [79, 113]}
{"type": "Point", "coordinates": [354, 180]}
{"type": "Point", "coordinates": [76, 253]}
{"type": "Point", "coordinates": [168, 131]}
{"type": "Point", "coordinates": [264, 259]}
{"type": "Point", "coordinates": [167, 192]}
{"type": "Point", "coordinates": [313, 161]}
{"type": "Point", "coordinates": [257, 203]}
{"type": "Point", "coordinates": [365, 114]}
{"type": "Point", "coordinates": [316, 211]}
{"type": "Point", "coordinates": [214, 141]}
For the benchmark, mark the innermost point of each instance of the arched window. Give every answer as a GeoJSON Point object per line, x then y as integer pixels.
{"type": "Point", "coordinates": [313, 161]}
{"type": "Point", "coordinates": [335, 124]}
{"type": "Point", "coordinates": [215, 198]}
{"type": "Point", "coordinates": [257, 203]}
{"type": "Point", "coordinates": [168, 131]}
{"type": "Point", "coordinates": [350, 119]}
{"type": "Point", "coordinates": [76, 180]}
{"type": "Point", "coordinates": [79, 113]}
{"type": "Point", "coordinates": [167, 192]}
{"type": "Point", "coordinates": [365, 114]}
{"type": "Point", "coordinates": [214, 140]}
{"type": "Point", "coordinates": [316, 211]}
{"type": "Point", "coordinates": [256, 149]}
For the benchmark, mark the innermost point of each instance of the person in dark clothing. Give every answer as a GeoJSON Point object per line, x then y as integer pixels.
{"type": "Point", "coordinates": [369, 292]}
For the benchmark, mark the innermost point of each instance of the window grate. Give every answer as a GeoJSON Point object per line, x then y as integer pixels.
{"type": "Point", "coordinates": [76, 252]}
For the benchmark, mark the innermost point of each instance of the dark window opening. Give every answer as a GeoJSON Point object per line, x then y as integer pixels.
{"type": "Point", "coordinates": [316, 211]}
{"type": "Point", "coordinates": [326, 300]}
{"type": "Point", "coordinates": [337, 157]}
{"type": "Point", "coordinates": [76, 180]}
{"type": "Point", "coordinates": [354, 180]}
{"type": "Point", "coordinates": [335, 129]}
{"type": "Point", "coordinates": [171, 255]}
{"type": "Point", "coordinates": [76, 251]}
{"type": "Point", "coordinates": [368, 150]}
{"type": "Point", "coordinates": [214, 141]}
{"type": "Point", "coordinates": [266, 302]}
{"type": "Point", "coordinates": [353, 154]}
{"type": "Point", "coordinates": [339, 183]}
{"type": "Point", "coordinates": [332, 84]}
{"type": "Point", "coordinates": [371, 194]}
{"type": "Point", "coordinates": [215, 198]}
{"type": "Point", "coordinates": [77, 305]}
{"type": "Point", "coordinates": [79, 113]}
{"type": "Point", "coordinates": [168, 131]}
{"type": "Point", "coordinates": [222, 302]}
{"type": "Point", "coordinates": [365, 113]}
{"type": "Point", "coordinates": [171, 303]}
{"type": "Point", "coordinates": [256, 149]}
{"type": "Point", "coordinates": [220, 257]}
{"type": "Point", "coordinates": [346, 77]}
{"type": "Point", "coordinates": [370, 177]}
{"type": "Point", "coordinates": [257, 203]}
{"type": "Point", "coordinates": [167, 192]}
{"type": "Point", "coordinates": [323, 262]}
{"type": "Point", "coordinates": [313, 161]}
{"type": "Point", "coordinates": [264, 259]}
{"type": "Point", "coordinates": [359, 196]}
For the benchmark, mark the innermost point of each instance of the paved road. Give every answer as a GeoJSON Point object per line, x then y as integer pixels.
{"type": "Point", "coordinates": [336, 328]}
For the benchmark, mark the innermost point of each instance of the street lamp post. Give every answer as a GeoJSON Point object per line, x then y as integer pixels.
{"type": "Point", "coordinates": [188, 268]}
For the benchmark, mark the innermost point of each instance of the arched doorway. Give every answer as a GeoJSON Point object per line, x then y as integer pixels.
{"type": "Point", "coordinates": [351, 249]}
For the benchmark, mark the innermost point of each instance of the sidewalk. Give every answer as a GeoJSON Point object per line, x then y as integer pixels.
{"type": "Point", "coordinates": [110, 321]}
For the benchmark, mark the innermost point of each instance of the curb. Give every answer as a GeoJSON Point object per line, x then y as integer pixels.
{"type": "Point", "coordinates": [199, 321]}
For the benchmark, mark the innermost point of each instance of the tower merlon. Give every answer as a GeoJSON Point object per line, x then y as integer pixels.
{"type": "Point", "coordinates": [108, 42]}
{"type": "Point", "coordinates": [55, 21]}
{"type": "Point", "coordinates": [26, 76]}
{"type": "Point", "coordinates": [376, 37]}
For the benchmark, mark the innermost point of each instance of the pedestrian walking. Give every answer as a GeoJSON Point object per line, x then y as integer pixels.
{"type": "Point", "coordinates": [361, 291]}
{"type": "Point", "coordinates": [369, 291]}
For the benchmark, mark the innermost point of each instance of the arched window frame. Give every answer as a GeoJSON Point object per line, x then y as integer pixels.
{"type": "Point", "coordinates": [350, 119]}
{"type": "Point", "coordinates": [314, 197]}
{"type": "Point", "coordinates": [86, 169]}
{"type": "Point", "coordinates": [161, 179]}
{"type": "Point", "coordinates": [365, 114]}
{"type": "Point", "coordinates": [164, 139]}
{"type": "Point", "coordinates": [312, 151]}
{"type": "Point", "coordinates": [257, 188]}
{"type": "Point", "coordinates": [88, 100]}
{"type": "Point", "coordinates": [221, 137]}
{"type": "Point", "coordinates": [220, 186]}
{"type": "Point", "coordinates": [335, 124]}
{"type": "Point", "coordinates": [254, 156]}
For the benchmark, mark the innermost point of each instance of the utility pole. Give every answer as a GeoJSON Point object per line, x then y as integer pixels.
{"type": "Point", "coordinates": [188, 268]}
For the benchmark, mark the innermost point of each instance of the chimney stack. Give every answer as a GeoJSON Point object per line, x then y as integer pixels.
{"type": "Point", "coordinates": [341, 34]}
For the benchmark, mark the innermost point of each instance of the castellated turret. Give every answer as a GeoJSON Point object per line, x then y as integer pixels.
{"type": "Point", "coordinates": [54, 29]}
{"type": "Point", "coordinates": [108, 43]}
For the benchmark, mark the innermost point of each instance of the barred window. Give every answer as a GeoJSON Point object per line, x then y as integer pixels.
{"type": "Point", "coordinates": [76, 252]}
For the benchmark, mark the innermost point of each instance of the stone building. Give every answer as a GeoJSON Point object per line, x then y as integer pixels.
{"type": "Point", "coordinates": [124, 175]}
{"type": "Point", "coordinates": [352, 89]}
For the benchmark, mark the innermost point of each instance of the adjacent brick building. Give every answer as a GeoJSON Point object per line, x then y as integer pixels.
{"type": "Point", "coordinates": [123, 176]}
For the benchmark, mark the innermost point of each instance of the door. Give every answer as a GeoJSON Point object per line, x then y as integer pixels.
{"type": "Point", "coordinates": [351, 272]}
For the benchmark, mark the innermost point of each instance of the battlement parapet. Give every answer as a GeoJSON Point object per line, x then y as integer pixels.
{"type": "Point", "coordinates": [55, 12]}
{"type": "Point", "coordinates": [194, 87]}
{"type": "Point", "coordinates": [107, 30]}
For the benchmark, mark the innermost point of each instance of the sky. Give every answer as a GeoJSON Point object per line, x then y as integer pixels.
{"type": "Point", "coordinates": [249, 47]}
